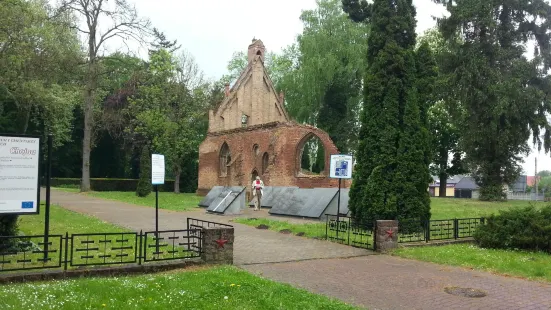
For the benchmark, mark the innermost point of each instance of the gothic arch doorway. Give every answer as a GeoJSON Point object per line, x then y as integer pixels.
{"type": "Point", "coordinates": [254, 175]}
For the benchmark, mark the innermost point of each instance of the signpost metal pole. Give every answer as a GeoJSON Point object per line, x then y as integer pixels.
{"type": "Point", "coordinates": [157, 178]}
{"type": "Point", "coordinates": [338, 209]}
{"type": "Point", "coordinates": [47, 212]}
{"type": "Point", "coordinates": [157, 217]}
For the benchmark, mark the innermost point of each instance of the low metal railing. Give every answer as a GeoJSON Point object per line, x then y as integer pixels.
{"type": "Point", "coordinates": [97, 249]}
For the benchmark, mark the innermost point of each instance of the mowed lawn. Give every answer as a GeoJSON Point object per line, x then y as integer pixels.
{"type": "Point", "coordinates": [530, 265]}
{"type": "Point", "coordinates": [167, 200]}
{"type": "Point", "coordinates": [450, 208]}
{"type": "Point", "coordinates": [213, 288]}
{"type": "Point", "coordinates": [441, 208]}
{"type": "Point", "coordinates": [63, 220]}
{"type": "Point", "coordinates": [203, 287]}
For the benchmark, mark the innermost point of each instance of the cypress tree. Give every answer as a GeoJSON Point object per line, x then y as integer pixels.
{"type": "Point", "coordinates": [144, 183]}
{"type": "Point", "coordinates": [391, 175]}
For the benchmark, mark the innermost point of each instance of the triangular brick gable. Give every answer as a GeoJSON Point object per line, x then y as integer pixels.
{"type": "Point", "coordinates": [218, 115]}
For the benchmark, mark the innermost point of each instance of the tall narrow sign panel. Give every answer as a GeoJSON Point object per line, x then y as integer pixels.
{"type": "Point", "coordinates": [341, 167]}
{"type": "Point", "coordinates": [157, 169]}
{"type": "Point", "coordinates": [19, 175]}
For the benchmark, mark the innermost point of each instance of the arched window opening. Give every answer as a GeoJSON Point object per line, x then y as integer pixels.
{"type": "Point", "coordinates": [312, 156]}
{"type": "Point", "coordinates": [259, 53]}
{"type": "Point", "coordinates": [256, 150]}
{"type": "Point", "coordinates": [265, 160]}
{"type": "Point", "coordinates": [254, 175]}
{"type": "Point", "coordinates": [225, 159]}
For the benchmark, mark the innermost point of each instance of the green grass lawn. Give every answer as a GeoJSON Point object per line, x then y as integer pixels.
{"type": "Point", "coordinates": [313, 230]}
{"type": "Point", "coordinates": [167, 200]}
{"type": "Point", "coordinates": [530, 265]}
{"type": "Point", "coordinates": [63, 220]}
{"type": "Point", "coordinates": [449, 208]}
{"type": "Point", "coordinates": [216, 288]}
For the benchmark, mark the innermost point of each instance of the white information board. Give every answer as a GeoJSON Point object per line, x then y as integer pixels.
{"type": "Point", "coordinates": [157, 169]}
{"type": "Point", "coordinates": [341, 167]}
{"type": "Point", "coordinates": [19, 175]}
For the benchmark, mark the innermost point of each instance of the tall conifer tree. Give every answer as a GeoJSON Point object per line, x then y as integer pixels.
{"type": "Point", "coordinates": [391, 175]}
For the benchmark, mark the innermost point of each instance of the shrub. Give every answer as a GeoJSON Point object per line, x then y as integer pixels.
{"type": "Point", "coordinates": [8, 227]}
{"type": "Point", "coordinates": [518, 228]}
{"type": "Point", "coordinates": [144, 183]}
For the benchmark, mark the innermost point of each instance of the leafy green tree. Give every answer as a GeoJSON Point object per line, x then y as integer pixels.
{"type": "Point", "coordinates": [499, 94]}
{"type": "Point", "coordinates": [544, 173]}
{"type": "Point", "coordinates": [39, 55]}
{"type": "Point", "coordinates": [446, 157]}
{"type": "Point", "coordinates": [169, 109]}
{"type": "Point", "coordinates": [117, 19]}
{"type": "Point", "coordinates": [391, 175]}
{"type": "Point", "coordinates": [323, 71]}
{"type": "Point", "coordinates": [144, 183]}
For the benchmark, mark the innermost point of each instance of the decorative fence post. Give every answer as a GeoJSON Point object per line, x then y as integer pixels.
{"type": "Point", "coordinates": [386, 235]}
{"type": "Point", "coordinates": [217, 245]}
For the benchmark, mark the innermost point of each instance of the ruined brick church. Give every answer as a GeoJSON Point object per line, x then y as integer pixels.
{"type": "Point", "coordinates": [250, 134]}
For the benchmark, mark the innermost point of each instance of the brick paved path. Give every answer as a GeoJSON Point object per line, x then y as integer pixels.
{"type": "Point", "coordinates": [386, 282]}
{"type": "Point", "coordinates": [252, 246]}
{"type": "Point", "coordinates": [343, 272]}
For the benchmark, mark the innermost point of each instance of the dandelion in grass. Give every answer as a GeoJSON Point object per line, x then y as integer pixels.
{"type": "Point", "coordinates": [225, 297]}
{"type": "Point", "coordinates": [232, 284]}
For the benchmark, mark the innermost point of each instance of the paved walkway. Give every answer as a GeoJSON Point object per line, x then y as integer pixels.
{"type": "Point", "coordinates": [343, 272]}
{"type": "Point", "coordinates": [387, 282]}
{"type": "Point", "coordinates": [252, 246]}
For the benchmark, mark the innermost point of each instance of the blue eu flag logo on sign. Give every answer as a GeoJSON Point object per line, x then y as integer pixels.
{"type": "Point", "coordinates": [27, 205]}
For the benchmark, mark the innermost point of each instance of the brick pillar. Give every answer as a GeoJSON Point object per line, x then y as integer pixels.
{"type": "Point", "coordinates": [217, 245]}
{"type": "Point", "coordinates": [386, 235]}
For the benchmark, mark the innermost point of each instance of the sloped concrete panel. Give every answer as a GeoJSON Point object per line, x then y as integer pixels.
{"type": "Point", "coordinates": [303, 202]}
{"type": "Point", "coordinates": [332, 207]}
{"type": "Point", "coordinates": [231, 200]}
{"type": "Point", "coordinates": [271, 194]}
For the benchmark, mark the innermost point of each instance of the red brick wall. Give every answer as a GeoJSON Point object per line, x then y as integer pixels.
{"type": "Point", "coordinates": [282, 142]}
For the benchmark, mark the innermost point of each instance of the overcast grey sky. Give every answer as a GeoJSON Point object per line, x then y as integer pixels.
{"type": "Point", "coordinates": [213, 30]}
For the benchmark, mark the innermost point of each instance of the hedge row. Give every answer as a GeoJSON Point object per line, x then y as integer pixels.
{"type": "Point", "coordinates": [517, 228]}
{"type": "Point", "coordinates": [108, 185]}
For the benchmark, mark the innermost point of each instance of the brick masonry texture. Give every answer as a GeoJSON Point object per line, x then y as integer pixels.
{"type": "Point", "coordinates": [214, 250]}
{"type": "Point", "coordinates": [386, 235]}
{"type": "Point", "coordinates": [268, 127]}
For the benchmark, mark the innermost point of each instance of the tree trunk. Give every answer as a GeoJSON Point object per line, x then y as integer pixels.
{"type": "Point", "coordinates": [88, 121]}
{"type": "Point", "coordinates": [177, 174]}
{"type": "Point", "coordinates": [87, 140]}
{"type": "Point", "coordinates": [443, 184]}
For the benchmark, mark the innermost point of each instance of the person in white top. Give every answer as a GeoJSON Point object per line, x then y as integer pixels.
{"type": "Point", "coordinates": [258, 187]}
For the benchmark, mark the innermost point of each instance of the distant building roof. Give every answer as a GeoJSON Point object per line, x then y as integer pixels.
{"type": "Point", "coordinates": [450, 182]}
{"type": "Point", "coordinates": [466, 183]}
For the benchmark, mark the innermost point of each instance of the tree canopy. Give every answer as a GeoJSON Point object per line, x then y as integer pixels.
{"type": "Point", "coordinates": [499, 93]}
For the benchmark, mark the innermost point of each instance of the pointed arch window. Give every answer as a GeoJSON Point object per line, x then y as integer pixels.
{"type": "Point", "coordinates": [265, 161]}
{"type": "Point", "coordinates": [225, 159]}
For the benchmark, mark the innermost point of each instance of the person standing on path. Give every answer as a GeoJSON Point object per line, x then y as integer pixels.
{"type": "Point", "coordinates": [258, 187]}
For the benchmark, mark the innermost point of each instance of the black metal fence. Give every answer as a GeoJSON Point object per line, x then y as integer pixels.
{"type": "Point", "coordinates": [97, 249]}
{"type": "Point", "coordinates": [347, 231]}
{"type": "Point", "coordinates": [425, 231]}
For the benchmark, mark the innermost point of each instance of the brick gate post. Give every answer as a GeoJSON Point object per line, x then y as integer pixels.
{"type": "Point", "coordinates": [217, 245]}
{"type": "Point", "coordinates": [386, 235]}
